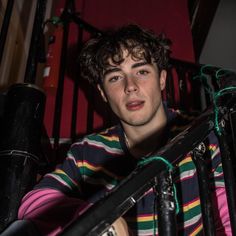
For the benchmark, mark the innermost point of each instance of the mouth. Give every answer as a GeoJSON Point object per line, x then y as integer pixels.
{"type": "Point", "coordinates": [134, 105]}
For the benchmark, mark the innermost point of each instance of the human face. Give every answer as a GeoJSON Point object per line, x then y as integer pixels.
{"type": "Point", "coordinates": [133, 90]}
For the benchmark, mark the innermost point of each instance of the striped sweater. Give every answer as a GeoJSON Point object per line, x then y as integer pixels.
{"type": "Point", "coordinates": [94, 166]}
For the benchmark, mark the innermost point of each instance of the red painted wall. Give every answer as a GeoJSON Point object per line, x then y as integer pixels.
{"type": "Point", "coordinates": [170, 17]}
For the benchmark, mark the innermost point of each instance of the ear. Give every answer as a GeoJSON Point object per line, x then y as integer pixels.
{"type": "Point", "coordinates": [163, 76]}
{"type": "Point", "coordinates": [102, 93]}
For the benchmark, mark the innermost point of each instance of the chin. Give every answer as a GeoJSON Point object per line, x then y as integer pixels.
{"type": "Point", "coordinates": [136, 122]}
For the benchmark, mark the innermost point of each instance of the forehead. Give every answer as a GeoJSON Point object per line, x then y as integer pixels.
{"type": "Point", "coordinates": [127, 62]}
{"type": "Point", "coordinates": [125, 56]}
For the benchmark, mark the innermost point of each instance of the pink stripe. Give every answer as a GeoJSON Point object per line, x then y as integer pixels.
{"type": "Point", "coordinates": [51, 210]}
{"type": "Point", "coordinates": [221, 211]}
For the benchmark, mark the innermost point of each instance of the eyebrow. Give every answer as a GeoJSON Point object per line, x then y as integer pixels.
{"type": "Point", "coordinates": [138, 64]}
{"type": "Point", "coordinates": [135, 65]}
{"type": "Point", "coordinates": [110, 70]}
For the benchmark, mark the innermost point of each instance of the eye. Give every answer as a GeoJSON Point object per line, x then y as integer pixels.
{"type": "Point", "coordinates": [114, 79]}
{"type": "Point", "coordinates": [143, 72]}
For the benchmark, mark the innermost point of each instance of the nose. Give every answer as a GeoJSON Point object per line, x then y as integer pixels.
{"type": "Point", "coordinates": [131, 84]}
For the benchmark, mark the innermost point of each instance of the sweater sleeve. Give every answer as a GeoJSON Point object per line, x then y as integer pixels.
{"type": "Point", "coordinates": [57, 199]}
{"type": "Point", "coordinates": [220, 205]}
{"type": "Point", "coordinates": [50, 210]}
{"type": "Point", "coordinates": [221, 212]}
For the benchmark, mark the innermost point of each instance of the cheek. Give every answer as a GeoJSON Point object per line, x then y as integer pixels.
{"type": "Point", "coordinates": [153, 89]}
{"type": "Point", "coordinates": [109, 94]}
{"type": "Point", "coordinates": [153, 94]}
{"type": "Point", "coordinates": [114, 98]}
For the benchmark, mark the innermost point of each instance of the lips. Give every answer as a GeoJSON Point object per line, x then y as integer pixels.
{"type": "Point", "coordinates": [134, 105]}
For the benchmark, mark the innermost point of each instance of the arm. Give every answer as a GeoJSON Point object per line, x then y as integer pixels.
{"type": "Point", "coordinates": [221, 212]}
{"type": "Point", "coordinates": [50, 210]}
{"type": "Point", "coordinates": [56, 200]}
{"type": "Point", "coordinates": [51, 203]}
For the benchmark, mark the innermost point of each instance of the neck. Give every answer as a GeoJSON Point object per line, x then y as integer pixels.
{"type": "Point", "coordinates": [145, 140]}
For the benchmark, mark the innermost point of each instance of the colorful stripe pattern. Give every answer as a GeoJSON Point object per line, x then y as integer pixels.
{"type": "Point", "coordinates": [100, 162]}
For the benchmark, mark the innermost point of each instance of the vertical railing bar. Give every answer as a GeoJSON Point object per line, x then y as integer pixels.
{"type": "Point", "coordinates": [199, 157]}
{"type": "Point", "coordinates": [195, 92]}
{"type": "Point", "coordinates": [60, 88]}
{"type": "Point", "coordinates": [229, 179]}
{"type": "Point", "coordinates": [5, 26]}
{"type": "Point", "coordinates": [36, 39]}
{"type": "Point", "coordinates": [76, 91]}
{"type": "Point", "coordinates": [90, 113]}
{"type": "Point", "coordinates": [167, 225]}
{"type": "Point", "coordinates": [182, 87]}
{"type": "Point", "coordinates": [232, 120]}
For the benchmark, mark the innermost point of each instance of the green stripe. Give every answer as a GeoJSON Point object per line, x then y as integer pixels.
{"type": "Point", "coordinates": [104, 141]}
{"type": "Point", "coordinates": [191, 213]}
{"type": "Point", "coordinates": [67, 180]}
{"type": "Point", "coordinates": [186, 166]}
{"type": "Point", "coordinates": [98, 175]}
{"type": "Point", "coordinates": [219, 169]}
{"type": "Point", "coordinates": [144, 225]}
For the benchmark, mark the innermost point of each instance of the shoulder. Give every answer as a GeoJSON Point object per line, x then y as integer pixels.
{"type": "Point", "coordinates": [107, 140]}
{"type": "Point", "coordinates": [179, 120]}
{"type": "Point", "coordinates": [109, 135]}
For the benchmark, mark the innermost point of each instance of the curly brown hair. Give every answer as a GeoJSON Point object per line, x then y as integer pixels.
{"type": "Point", "coordinates": [140, 44]}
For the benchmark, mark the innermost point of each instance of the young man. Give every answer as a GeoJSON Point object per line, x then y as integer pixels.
{"type": "Point", "coordinates": [128, 66]}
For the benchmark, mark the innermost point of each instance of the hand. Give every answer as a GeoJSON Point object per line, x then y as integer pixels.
{"type": "Point", "coordinates": [118, 228]}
